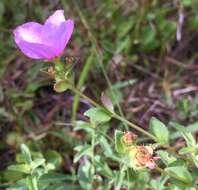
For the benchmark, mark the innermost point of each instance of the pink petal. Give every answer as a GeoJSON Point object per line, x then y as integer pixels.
{"type": "Point", "coordinates": [69, 27]}
{"type": "Point", "coordinates": [58, 36]}
{"type": "Point", "coordinates": [151, 164]}
{"type": "Point", "coordinates": [29, 32]}
{"type": "Point", "coordinates": [29, 40]}
{"type": "Point", "coordinates": [36, 51]}
{"type": "Point", "coordinates": [57, 18]}
{"type": "Point", "coordinates": [44, 41]}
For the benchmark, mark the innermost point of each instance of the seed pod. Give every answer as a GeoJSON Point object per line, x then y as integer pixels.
{"type": "Point", "coordinates": [129, 138]}
{"type": "Point", "coordinates": [141, 157]}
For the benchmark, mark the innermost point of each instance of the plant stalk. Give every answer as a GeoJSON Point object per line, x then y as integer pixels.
{"type": "Point", "coordinates": [115, 115]}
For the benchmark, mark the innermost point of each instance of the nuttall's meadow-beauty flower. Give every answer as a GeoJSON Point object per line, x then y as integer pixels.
{"type": "Point", "coordinates": [46, 41]}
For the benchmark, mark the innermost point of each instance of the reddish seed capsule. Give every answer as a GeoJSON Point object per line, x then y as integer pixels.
{"type": "Point", "coordinates": [51, 71]}
{"type": "Point", "coordinates": [129, 138]}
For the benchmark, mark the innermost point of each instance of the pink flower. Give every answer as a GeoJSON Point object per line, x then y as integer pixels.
{"type": "Point", "coordinates": [46, 41]}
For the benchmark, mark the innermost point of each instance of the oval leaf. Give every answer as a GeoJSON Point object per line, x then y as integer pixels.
{"type": "Point", "coordinates": [181, 173]}
{"type": "Point", "coordinates": [98, 115]}
{"type": "Point", "coordinates": [159, 130]}
{"type": "Point", "coordinates": [120, 148]}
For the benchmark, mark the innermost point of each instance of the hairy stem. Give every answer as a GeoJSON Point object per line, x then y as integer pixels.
{"type": "Point", "coordinates": [115, 115]}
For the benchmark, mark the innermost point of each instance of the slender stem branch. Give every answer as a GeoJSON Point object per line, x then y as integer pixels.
{"type": "Point", "coordinates": [128, 179]}
{"type": "Point", "coordinates": [75, 90]}
{"type": "Point", "coordinates": [132, 125]}
{"type": "Point", "coordinates": [116, 116]}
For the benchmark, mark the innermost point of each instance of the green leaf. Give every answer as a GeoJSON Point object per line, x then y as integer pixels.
{"type": "Point", "coordinates": [159, 183]}
{"type": "Point", "coordinates": [37, 162]}
{"type": "Point", "coordinates": [64, 135]}
{"type": "Point", "coordinates": [192, 128]}
{"type": "Point", "coordinates": [123, 45]}
{"type": "Point", "coordinates": [177, 163]}
{"type": "Point", "coordinates": [102, 167]}
{"type": "Point", "coordinates": [11, 175]}
{"type": "Point", "coordinates": [124, 27]}
{"type": "Point", "coordinates": [105, 146]}
{"type": "Point", "coordinates": [53, 157]}
{"type": "Point", "coordinates": [24, 168]}
{"type": "Point", "coordinates": [166, 158]}
{"type": "Point", "coordinates": [82, 78]}
{"type": "Point", "coordinates": [32, 183]}
{"type": "Point", "coordinates": [26, 154]}
{"type": "Point", "coordinates": [185, 133]}
{"type": "Point", "coordinates": [85, 175]}
{"type": "Point", "coordinates": [186, 2]}
{"type": "Point", "coordinates": [180, 173]}
{"type": "Point", "coordinates": [81, 125]}
{"type": "Point", "coordinates": [98, 115]}
{"type": "Point", "coordinates": [49, 166]}
{"type": "Point", "coordinates": [187, 150]}
{"type": "Point", "coordinates": [53, 177]}
{"type": "Point", "coordinates": [120, 148]}
{"type": "Point", "coordinates": [120, 178]}
{"type": "Point", "coordinates": [148, 39]}
{"type": "Point", "coordinates": [159, 130]}
{"type": "Point", "coordinates": [19, 185]}
{"type": "Point", "coordinates": [82, 151]}
{"type": "Point", "coordinates": [123, 84]}
{"type": "Point", "coordinates": [14, 139]}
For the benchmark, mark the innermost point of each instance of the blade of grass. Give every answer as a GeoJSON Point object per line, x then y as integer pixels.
{"type": "Point", "coordinates": [192, 128]}
{"type": "Point", "coordinates": [99, 56]}
{"type": "Point", "coordinates": [82, 78]}
{"type": "Point", "coordinates": [123, 84]}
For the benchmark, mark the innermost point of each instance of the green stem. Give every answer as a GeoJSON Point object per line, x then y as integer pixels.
{"type": "Point", "coordinates": [116, 116]}
{"type": "Point", "coordinates": [32, 183]}
{"type": "Point", "coordinates": [75, 90]}
{"type": "Point", "coordinates": [128, 179]}
{"type": "Point", "coordinates": [93, 147]}
{"type": "Point", "coordinates": [134, 126]}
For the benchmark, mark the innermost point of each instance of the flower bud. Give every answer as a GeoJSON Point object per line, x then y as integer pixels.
{"type": "Point", "coordinates": [51, 71]}
{"type": "Point", "coordinates": [128, 138]}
